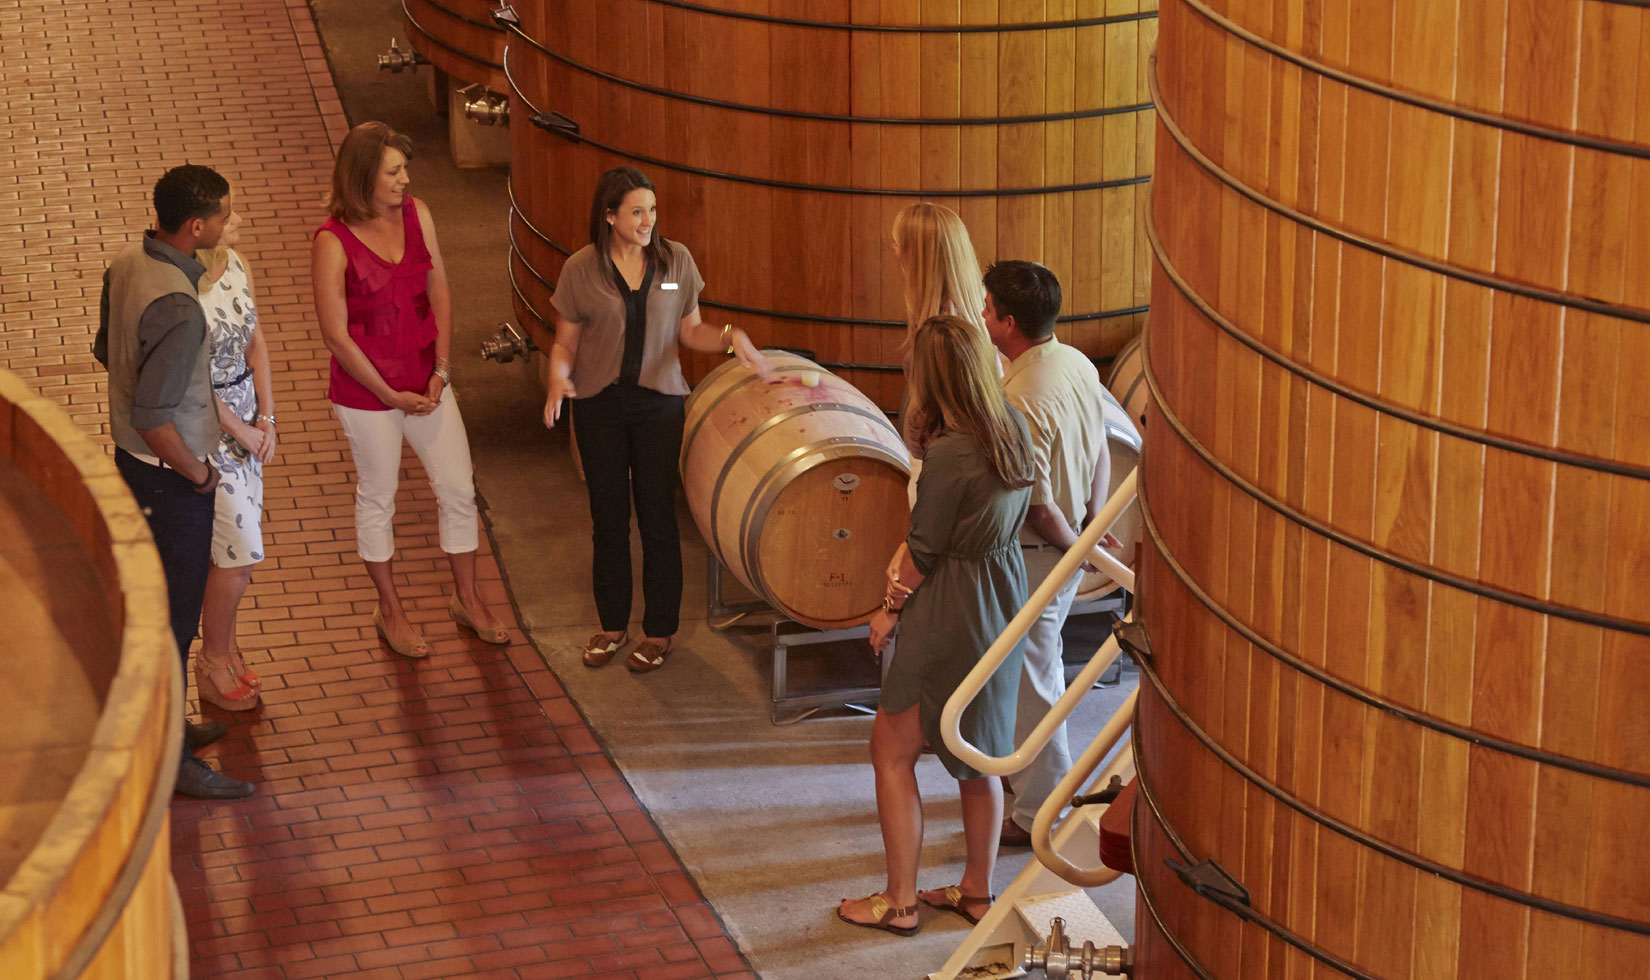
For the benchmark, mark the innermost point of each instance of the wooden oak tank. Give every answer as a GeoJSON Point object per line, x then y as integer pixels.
{"type": "Point", "coordinates": [785, 137]}
{"type": "Point", "coordinates": [459, 37]}
{"type": "Point", "coordinates": [90, 692]}
{"type": "Point", "coordinates": [1397, 491]}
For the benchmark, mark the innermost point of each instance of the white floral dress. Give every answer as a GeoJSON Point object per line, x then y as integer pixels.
{"type": "Point", "coordinates": [231, 317]}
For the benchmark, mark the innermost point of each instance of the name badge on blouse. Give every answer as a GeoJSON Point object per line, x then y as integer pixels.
{"type": "Point", "coordinates": [667, 285]}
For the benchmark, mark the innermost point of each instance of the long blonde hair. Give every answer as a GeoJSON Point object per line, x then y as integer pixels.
{"type": "Point", "coordinates": [215, 257]}
{"type": "Point", "coordinates": [942, 274]}
{"type": "Point", "coordinates": [954, 386]}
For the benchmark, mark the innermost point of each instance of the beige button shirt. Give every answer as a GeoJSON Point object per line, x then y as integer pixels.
{"type": "Point", "coordinates": [587, 295]}
{"type": "Point", "coordinates": [1059, 391]}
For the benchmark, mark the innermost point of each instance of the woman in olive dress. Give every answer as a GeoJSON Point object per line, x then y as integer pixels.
{"type": "Point", "coordinates": [953, 586]}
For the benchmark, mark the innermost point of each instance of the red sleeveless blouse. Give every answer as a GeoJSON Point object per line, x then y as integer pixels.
{"type": "Point", "coordinates": [389, 313]}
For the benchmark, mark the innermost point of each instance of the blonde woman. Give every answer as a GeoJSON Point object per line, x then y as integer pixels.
{"type": "Point", "coordinates": [246, 416]}
{"type": "Point", "coordinates": [941, 275]}
{"type": "Point", "coordinates": [954, 584]}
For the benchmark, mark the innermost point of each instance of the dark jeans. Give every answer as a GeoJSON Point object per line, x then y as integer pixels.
{"type": "Point", "coordinates": [181, 521]}
{"type": "Point", "coordinates": [629, 439]}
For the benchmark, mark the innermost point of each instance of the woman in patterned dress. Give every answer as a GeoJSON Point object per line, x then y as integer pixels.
{"type": "Point", "coordinates": [246, 414]}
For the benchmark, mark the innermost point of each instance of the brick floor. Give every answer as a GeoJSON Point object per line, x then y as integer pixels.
{"type": "Point", "coordinates": [448, 818]}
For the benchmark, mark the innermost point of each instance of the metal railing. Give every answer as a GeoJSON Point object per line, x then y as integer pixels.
{"type": "Point", "coordinates": [1085, 549]}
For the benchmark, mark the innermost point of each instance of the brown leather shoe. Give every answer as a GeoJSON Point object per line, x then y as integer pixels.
{"type": "Point", "coordinates": [599, 651]}
{"type": "Point", "coordinates": [1012, 835]}
{"type": "Point", "coordinates": [649, 656]}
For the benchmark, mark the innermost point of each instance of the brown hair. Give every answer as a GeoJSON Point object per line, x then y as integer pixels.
{"type": "Point", "coordinates": [355, 172]}
{"type": "Point", "coordinates": [611, 189]}
{"type": "Point", "coordinates": [954, 385]}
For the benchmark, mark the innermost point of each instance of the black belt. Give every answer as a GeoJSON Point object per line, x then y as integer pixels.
{"type": "Point", "coordinates": [230, 384]}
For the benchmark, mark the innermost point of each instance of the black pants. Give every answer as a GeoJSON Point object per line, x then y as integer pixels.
{"type": "Point", "coordinates": [181, 521]}
{"type": "Point", "coordinates": [629, 439]}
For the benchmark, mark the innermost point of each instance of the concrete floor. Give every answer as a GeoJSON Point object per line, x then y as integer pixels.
{"type": "Point", "coordinates": [774, 823]}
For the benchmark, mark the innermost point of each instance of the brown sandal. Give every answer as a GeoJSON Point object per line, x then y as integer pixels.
{"type": "Point", "coordinates": [951, 899]}
{"type": "Point", "coordinates": [649, 656]}
{"type": "Point", "coordinates": [883, 912]}
{"type": "Point", "coordinates": [601, 648]}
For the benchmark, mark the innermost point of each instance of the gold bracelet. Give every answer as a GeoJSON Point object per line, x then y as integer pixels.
{"type": "Point", "coordinates": [727, 329]}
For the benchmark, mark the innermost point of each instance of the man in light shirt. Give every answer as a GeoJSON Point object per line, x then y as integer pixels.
{"type": "Point", "coordinates": [1060, 393]}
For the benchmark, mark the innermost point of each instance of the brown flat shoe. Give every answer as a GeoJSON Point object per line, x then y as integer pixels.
{"type": "Point", "coordinates": [951, 899]}
{"type": "Point", "coordinates": [1012, 836]}
{"type": "Point", "coordinates": [649, 656]}
{"type": "Point", "coordinates": [880, 908]}
{"type": "Point", "coordinates": [599, 651]}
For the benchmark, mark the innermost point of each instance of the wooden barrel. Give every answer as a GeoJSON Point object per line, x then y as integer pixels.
{"type": "Point", "coordinates": [1123, 441]}
{"type": "Point", "coordinates": [91, 693]}
{"type": "Point", "coordinates": [459, 37]}
{"type": "Point", "coordinates": [783, 147]}
{"type": "Point", "coordinates": [1127, 380]}
{"type": "Point", "coordinates": [799, 489]}
{"type": "Point", "coordinates": [1397, 493]}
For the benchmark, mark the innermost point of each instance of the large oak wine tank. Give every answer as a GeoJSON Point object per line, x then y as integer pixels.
{"type": "Point", "coordinates": [90, 691]}
{"type": "Point", "coordinates": [784, 139]}
{"type": "Point", "coordinates": [459, 37]}
{"type": "Point", "coordinates": [1397, 492]}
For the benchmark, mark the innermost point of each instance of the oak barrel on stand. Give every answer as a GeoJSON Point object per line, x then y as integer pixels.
{"type": "Point", "coordinates": [798, 488]}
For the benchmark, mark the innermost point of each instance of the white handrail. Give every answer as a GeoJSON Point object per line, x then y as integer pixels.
{"type": "Point", "coordinates": [1042, 828]}
{"type": "Point", "coordinates": [971, 685]}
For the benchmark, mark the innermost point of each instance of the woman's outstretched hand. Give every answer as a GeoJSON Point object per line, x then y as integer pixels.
{"type": "Point", "coordinates": [752, 357]}
{"type": "Point", "coordinates": [560, 388]}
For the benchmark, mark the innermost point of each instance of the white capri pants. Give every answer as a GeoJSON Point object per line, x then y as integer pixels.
{"type": "Point", "coordinates": [442, 446]}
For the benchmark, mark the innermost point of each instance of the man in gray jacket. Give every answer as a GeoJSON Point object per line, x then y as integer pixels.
{"type": "Point", "coordinates": [155, 343]}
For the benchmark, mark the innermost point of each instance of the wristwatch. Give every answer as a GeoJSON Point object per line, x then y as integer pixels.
{"type": "Point", "coordinates": [263, 418]}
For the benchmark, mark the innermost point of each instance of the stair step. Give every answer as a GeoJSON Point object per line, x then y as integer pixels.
{"type": "Point", "coordinates": [1084, 920]}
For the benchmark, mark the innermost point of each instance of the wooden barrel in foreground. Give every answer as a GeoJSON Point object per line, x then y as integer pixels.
{"type": "Point", "coordinates": [784, 144]}
{"type": "Point", "coordinates": [798, 488]}
{"type": "Point", "coordinates": [90, 690]}
{"type": "Point", "coordinates": [459, 37]}
{"type": "Point", "coordinates": [1397, 493]}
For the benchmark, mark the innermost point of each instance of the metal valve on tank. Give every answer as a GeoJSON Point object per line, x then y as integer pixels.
{"type": "Point", "coordinates": [485, 106]}
{"type": "Point", "coordinates": [396, 59]}
{"type": "Point", "coordinates": [1057, 962]}
{"type": "Point", "coordinates": [507, 344]}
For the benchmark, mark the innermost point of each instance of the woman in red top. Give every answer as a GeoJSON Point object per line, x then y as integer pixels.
{"type": "Point", "coordinates": [386, 314]}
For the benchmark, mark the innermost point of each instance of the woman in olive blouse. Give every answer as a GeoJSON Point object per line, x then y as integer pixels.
{"type": "Point", "coordinates": [622, 305]}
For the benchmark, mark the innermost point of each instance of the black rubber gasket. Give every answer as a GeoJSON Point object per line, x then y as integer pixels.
{"type": "Point", "coordinates": [831, 25]}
